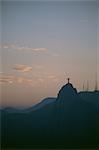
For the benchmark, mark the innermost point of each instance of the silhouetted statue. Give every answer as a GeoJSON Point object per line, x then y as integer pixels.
{"type": "Point", "coordinates": [68, 80]}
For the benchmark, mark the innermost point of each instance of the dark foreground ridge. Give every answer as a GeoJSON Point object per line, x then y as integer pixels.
{"type": "Point", "coordinates": [69, 121]}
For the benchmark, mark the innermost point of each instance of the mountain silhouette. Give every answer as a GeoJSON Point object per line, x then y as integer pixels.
{"type": "Point", "coordinates": [67, 91]}
{"type": "Point", "coordinates": [42, 103]}
{"type": "Point", "coordinates": [68, 121]}
{"type": "Point", "coordinates": [35, 107]}
{"type": "Point", "coordinates": [92, 97]}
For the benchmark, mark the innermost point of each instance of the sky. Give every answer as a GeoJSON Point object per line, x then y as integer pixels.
{"type": "Point", "coordinates": [44, 43]}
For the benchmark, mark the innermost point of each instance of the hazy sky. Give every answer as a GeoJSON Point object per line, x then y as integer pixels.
{"type": "Point", "coordinates": [42, 44]}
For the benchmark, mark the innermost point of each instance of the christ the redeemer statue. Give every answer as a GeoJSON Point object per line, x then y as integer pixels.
{"type": "Point", "coordinates": [68, 80]}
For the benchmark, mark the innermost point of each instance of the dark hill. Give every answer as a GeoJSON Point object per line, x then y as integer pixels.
{"type": "Point", "coordinates": [92, 97]}
{"type": "Point", "coordinates": [67, 122]}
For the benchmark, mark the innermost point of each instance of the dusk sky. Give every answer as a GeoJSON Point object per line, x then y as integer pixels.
{"type": "Point", "coordinates": [44, 43]}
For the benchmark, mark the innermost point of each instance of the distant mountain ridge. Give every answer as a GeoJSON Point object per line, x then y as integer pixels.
{"type": "Point", "coordinates": [37, 106]}
{"type": "Point", "coordinates": [42, 103]}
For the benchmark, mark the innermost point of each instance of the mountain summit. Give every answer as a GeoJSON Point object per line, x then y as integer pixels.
{"type": "Point", "coordinates": [67, 91]}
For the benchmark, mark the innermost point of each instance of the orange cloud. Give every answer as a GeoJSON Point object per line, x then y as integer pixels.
{"type": "Point", "coordinates": [23, 80]}
{"type": "Point", "coordinates": [7, 79]}
{"type": "Point", "coordinates": [22, 68]}
{"type": "Point", "coordinates": [13, 79]}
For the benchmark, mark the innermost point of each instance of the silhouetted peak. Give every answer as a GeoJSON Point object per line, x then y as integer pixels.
{"type": "Point", "coordinates": [67, 91]}
{"type": "Point", "coordinates": [69, 85]}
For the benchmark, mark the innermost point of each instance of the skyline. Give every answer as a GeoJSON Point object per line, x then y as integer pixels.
{"type": "Point", "coordinates": [44, 43]}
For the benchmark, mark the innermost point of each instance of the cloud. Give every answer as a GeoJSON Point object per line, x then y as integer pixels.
{"type": "Point", "coordinates": [24, 80]}
{"type": "Point", "coordinates": [39, 49]}
{"type": "Point", "coordinates": [22, 68]}
{"type": "Point", "coordinates": [22, 48]}
{"type": "Point", "coordinates": [53, 78]}
{"type": "Point", "coordinates": [5, 47]}
{"type": "Point", "coordinates": [13, 79]}
{"type": "Point", "coordinates": [32, 49]}
{"type": "Point", "coordinates": [7, 79]}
